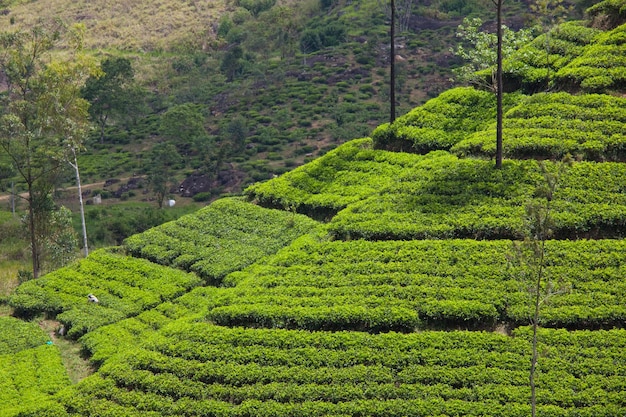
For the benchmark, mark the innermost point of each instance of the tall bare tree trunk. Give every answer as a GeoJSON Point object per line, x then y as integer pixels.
{"type": "Point", "coordinates": [499, 88]}
{"type": "Point", "coordinates": [34, 244]}
{"type": "Point", "coordinates": [392, 64]}
{"type": "Point", "coordinates": [80, 201]}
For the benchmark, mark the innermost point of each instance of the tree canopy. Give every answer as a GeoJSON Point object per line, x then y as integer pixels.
{"type": "Point", "coordinates": [43, 116]}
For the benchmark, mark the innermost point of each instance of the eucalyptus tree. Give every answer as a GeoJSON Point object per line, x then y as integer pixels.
{"type": "Point", "coordinates": [43, 118]}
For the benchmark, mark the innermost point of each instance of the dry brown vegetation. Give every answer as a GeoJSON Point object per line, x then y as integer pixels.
{"type": "Point", "coordinates": [133, 26]}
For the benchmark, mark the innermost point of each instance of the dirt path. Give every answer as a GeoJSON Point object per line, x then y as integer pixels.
{"type": "Point", "coordinates": [78, 367]}
{"type": "Point", "coordinates": [7, 197]}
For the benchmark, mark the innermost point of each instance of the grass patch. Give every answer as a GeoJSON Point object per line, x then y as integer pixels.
{"type": "Point", "coordinates": [78, 368]}
{"type": "Point", "coordinates": [8, 277]}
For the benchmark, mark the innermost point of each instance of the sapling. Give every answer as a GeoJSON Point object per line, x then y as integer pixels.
{"type": "Point", "coordinates": [531, 256]}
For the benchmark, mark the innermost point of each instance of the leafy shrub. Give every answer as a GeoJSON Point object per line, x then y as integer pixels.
{"type": "Point", "coordinates": [222, 237]}
{"type": "Point", "coordinates": [551, 125]}
{"type": "Point", "coordinates": [441, 122]}
{"type": "Point", "coordinates": [18, 335]}
{"type": "Point", "coordinates": [203, 369]}
{"type": "Point", "coordinates": [30, 378]}
{"type": "Point", "coordinates": [124, 286]}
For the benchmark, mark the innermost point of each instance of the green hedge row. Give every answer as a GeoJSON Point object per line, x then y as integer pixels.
{"type": "Point", "coordinates": [386, 195]}
{"type": "Point", "coordinates": [106, 341]}
{"type": "Point", "coordinates": [602, 64]}
{"type": "Point", "coordinates": [468, 198]}
{"type": "Point", "coordinates": [324, 186]}
{"type": "Point", "coordinates": [402, 285]}
{"type": "Point", "coordinates": [551, 125]}
{"type": "Point", "coordinates": [124, 286]}
{"type": "Point", "coordinates": [225, 236]}
{"type": "Point", "coordinates": [193, 369]}
{"type": "Point", "coordinates": [18, 335]}
{"type": "Point", "coordinates": [441, 122]}
{"type": "Point", "coordinates": [534, 70]}
{"type": "Point", "coordinates": [29, 379]}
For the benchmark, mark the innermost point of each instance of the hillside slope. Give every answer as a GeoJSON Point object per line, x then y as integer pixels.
{"type": "Point", "coordinates": [289, 101]}
{"type": "Point", "coordinates": [374, 283]}
{"type": "Point", "coordinates": [140, 26]}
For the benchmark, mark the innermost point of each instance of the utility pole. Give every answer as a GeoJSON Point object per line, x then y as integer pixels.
{"type": "Point", "coordinates": [13, 198]}
{"type": "Point", "coordinates": [499, 87]}
{"type": "Point", "coordinates": [392, 64]}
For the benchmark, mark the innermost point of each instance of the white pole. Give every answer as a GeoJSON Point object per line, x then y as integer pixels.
{"type": "Point", "coordinates": [13, 198]}
{"type": "Point", "coordinates": [80, 200]}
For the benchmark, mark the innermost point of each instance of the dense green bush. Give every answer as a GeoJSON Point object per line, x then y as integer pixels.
{"type": "Point", "coordinates": [551, 125]}
{"type": "Point", "coordinates": [403, 285]}
{"type": "Point", "coordinates": [441, 122]}
{"type": "Point", "coordinates": [18, 335]}
{"type": "Point", "coordinates": [196, 369]}
{"type": "Point", "coordinates": [29, 379]}
{"type": "Point", "coordinates": [225, 236]}
{"type": "Point", "coordinates": [535, 71]}
{"type": "Point", "coordinates": [125, 287]}
{"type": "Point", "coordinates": [601, 66]}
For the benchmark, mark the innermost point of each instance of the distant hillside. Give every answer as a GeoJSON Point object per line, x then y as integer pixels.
{"type": "Point", "coordinates": [312, 74]}
{"type": "Point", "coordinates": [137, 27]}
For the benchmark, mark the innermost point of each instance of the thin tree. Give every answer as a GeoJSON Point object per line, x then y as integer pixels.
{"type": "Point", "coordinates": [43, 114]}
{"type": "Point", "coordinates": [392, 64]}
{"type": "Point", "coordinates": [400, 15]}
{"type": "Point", "coordinates": [532, 257]}
{"type": "Point", "coordinates": [74, 164]}
{"type": "Point", "coordinates": [499, 85]}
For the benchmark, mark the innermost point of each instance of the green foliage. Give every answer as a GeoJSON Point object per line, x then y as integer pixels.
{"type": "Point", "coordinates": [184, 125]}
{"type": "Point", "coordinates": [29, 380]}
{"type": "Point", "coordinates": [482, 52]}
{"type": "Point", "coordinates": [125, 335]}
{"type": "Point", "coordinates": [165, 158]}
{"type": "Point", "coordinates": [109, 225]}
{"type": "Point", "coordinates": [313, 40]}
{"type": "Point", "coordinates": [551, 125]}
{"type": "Point", "coordinates": [386, 195]}
{"type": "Point", "coordinates": [110, 93]}
{"type": "Point", "coordinates": [441, 122]}
{"type": "Point", "coordinates": [401, 285]}
{"type": "Point", "coordinates": [232, 63]}
{"type": "Point", "coordinates": [530, 65]}
{"type": "Point", "coordinates": [43, 117]}
{"type": "Point", "coordinates": [601, 66]}
{"type": "Point", "coordinates": [256, 6]}
{"type": "Point", "coordinates": [326, 185]}
{"type": "Point", "coordinates": [200, 369]}
{"type": "Point", "coordinates": [611, 12]}
{"type": "Point", "coordinates": [18, 335]}
{"type": "Point", "coordinates": [60, 242]}
{"type": "Point", "coordinates": [125, 287]}
{"type": "Point", "coordinates": [223, 237]}
{"type": "Point", "coordinates": [580, 58]}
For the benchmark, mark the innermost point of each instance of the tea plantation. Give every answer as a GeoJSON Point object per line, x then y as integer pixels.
{"type": "Point", "coordinates": [370, 282]}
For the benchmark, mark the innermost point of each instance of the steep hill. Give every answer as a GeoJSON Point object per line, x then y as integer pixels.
{"type": "Point", "coordinates": [371, 282]}
{"type": "Point", "coordinates": [311, 75]}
